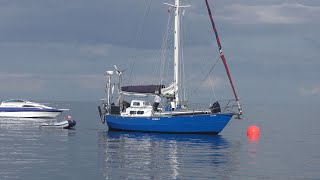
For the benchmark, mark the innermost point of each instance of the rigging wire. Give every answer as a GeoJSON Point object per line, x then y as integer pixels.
{"type": "Point", "coordinates": [146, 14]}
{"type": "Point", "coordinates": [193, 92]}
{"type": "Point", "coordinates": [213, 89]}
{"type": "Point", "coordinates": [164, 47]}
{"type": "Point", "coordinates": [166, 44]}
{"type": "Point", "coordinates": [139, 34]}
{"type": "Point", "coordinates": [131, 70]}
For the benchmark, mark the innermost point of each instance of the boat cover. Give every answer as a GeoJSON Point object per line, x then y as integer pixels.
{"type": "Point", "coordinates": [168, 91]}
{"type": "Point", "coordinates": [143, 89]}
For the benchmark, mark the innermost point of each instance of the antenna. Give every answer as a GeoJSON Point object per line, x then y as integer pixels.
{"type": "Point", "coordinates": [108, 84]}
{"type": "Point", "coordinates": [118, 71]}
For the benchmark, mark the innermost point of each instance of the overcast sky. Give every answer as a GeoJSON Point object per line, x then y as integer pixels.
{"type": "Point", "coordinates": [59, 50]}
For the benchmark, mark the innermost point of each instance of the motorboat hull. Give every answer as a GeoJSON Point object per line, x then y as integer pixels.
{"type": "Point", "coordinates": [29, 112]}
{"type": "Point", "coordinates": [203, 123]}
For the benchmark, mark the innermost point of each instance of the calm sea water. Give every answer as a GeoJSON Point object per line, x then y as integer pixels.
{"type": "Point", "coordinates": [288, 148]}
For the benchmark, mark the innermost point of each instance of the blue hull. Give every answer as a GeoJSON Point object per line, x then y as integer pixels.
{"type": "Point", "coordinates": [204, 123]}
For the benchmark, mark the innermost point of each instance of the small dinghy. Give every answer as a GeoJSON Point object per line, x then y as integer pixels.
{"type": "Point", "coordinates": [66, 124]}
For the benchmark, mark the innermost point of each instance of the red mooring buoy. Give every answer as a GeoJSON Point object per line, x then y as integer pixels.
{"type": "Point", "coordinates": [253, 131]}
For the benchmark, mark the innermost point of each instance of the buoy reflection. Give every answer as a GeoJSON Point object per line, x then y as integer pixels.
{"type": "Point", "coordinates": [253, 135]}
{"type": "Point", "coordinates": [253, 138]}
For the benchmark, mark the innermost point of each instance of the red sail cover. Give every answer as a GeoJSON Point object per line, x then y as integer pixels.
{"type": "Point", "coordinates": [222, 56]}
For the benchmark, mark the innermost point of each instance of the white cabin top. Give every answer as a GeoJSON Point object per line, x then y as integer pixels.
{"type": "Point", "coordinates": [22, 103]}
{"type": "Point", "coordinates": [139, 104]}
{"type": "Point", "coordinates": [138, 108]}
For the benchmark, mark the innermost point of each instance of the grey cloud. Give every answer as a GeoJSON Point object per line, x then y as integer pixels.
{"type": "Point", "coordinates": [81, 21]}
{"type": "Point", "coordinates": [284, 13]}
{"type": "Point", "coordinates": [64, 47]}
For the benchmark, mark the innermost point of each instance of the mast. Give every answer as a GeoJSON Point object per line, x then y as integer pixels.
{"type": "Point", "coordinates": [176, 51]}
{"type": "Point", "coordinates": [223, 58]}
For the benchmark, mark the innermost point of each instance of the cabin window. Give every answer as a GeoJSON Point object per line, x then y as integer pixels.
{"type": "Point", "coordinates": [136, 103]}
{"type": "Point", "coordinates": [133, 112]}
{"type": "Point", "coordinates": [140, 112]}
{"type": "Point", "coordinates": [145, 103]}
{"type": "Point", "coordinates": [28, 106]}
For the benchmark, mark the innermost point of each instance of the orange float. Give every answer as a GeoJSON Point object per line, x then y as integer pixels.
{"type": "Point", "coordinates": [253, 133]}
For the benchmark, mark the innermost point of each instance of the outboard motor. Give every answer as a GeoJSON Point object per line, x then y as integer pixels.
{"type": "Point", "coordinates": [215, 108]}
{"type": "Point", "coordinates": [115, 110]}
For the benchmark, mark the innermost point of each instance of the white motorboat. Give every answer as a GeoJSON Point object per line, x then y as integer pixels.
{"type": "Point", "coordinates": [26, 109]}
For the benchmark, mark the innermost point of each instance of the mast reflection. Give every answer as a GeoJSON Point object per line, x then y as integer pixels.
{"type": "Point", "coordinates": [134, 155]}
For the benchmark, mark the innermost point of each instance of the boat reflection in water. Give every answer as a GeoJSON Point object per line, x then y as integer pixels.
{"type": "Point", "coordinates": [134, 155]}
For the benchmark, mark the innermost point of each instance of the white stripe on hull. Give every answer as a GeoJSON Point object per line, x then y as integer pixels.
{"type": "Point", "coordinates": [30, 114]}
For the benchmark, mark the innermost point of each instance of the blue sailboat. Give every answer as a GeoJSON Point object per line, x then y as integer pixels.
{"type": "Point", "coordinates": [175, 116]}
